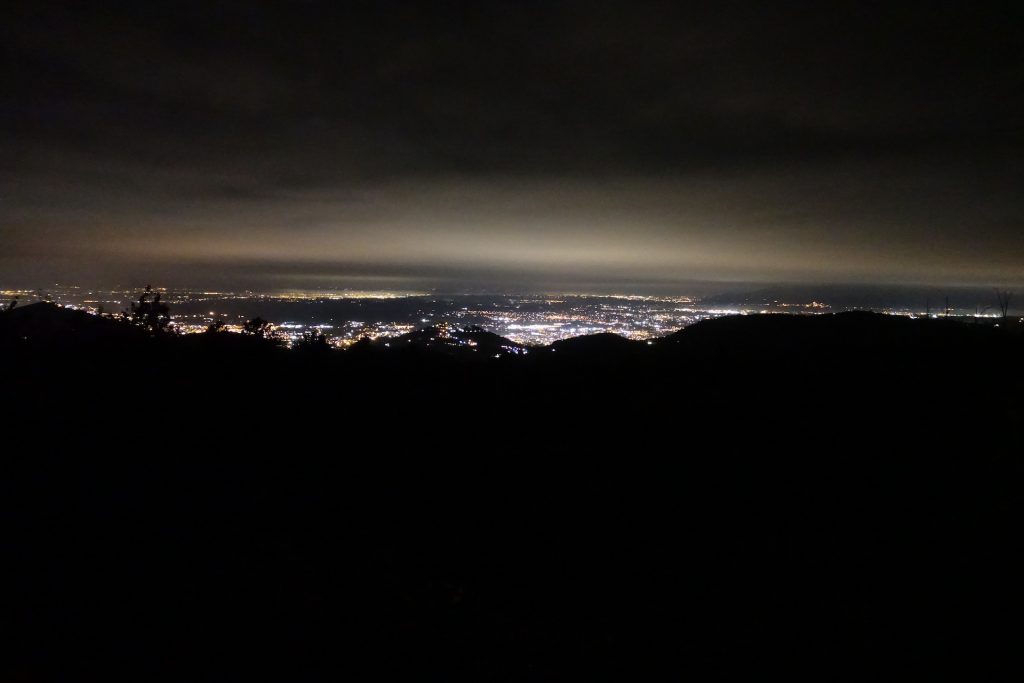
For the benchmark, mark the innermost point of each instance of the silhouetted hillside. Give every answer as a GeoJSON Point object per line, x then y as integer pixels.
{"type": "Point", "coordinates": [604, 343]}
{"type": "Point", "coordinates": [831, 497]}
{"type": "Point", "coordinates": [47, 323]}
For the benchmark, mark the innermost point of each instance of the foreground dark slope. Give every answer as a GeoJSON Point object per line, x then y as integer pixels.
{"type": "Point", "coordinates": [852, 368]}
{"type": "Point", "coordinates": [830, 497]}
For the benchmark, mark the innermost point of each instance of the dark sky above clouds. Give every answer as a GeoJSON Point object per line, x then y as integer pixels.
{"type": "Point", "coordinates": [488, 144]}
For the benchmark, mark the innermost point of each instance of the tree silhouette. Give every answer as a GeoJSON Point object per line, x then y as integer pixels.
{"type": "Point", "coordinates": [258, 327]}
{"type": "Point", "coordinates": [215, 327]}
{"type": "Point", "coordinates": [150, 312]}
{"type": "Point", "coordinates": [1003, 297]}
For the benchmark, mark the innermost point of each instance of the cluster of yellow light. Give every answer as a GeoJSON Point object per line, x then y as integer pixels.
{"type": "Point", "coordinates": [634, 297]}
{"type": "Point", "coordinates": [335, 295]}
{"type": "Point", "coordinates": [813, 304]}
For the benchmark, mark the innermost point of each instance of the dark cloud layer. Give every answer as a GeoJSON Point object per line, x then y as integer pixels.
{"type": "Point", "coordinates": [514, 142]}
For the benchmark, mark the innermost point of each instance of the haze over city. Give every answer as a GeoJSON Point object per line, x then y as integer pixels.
{"type": "Point", "coordinates": [577, 146]}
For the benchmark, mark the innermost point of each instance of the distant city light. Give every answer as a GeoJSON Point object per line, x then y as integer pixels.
{"type": "Point", "coordinates": [525, 320]}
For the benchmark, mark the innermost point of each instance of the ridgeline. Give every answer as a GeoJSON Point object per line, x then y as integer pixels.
{"type": "Point", "coordinates": [831, 497]}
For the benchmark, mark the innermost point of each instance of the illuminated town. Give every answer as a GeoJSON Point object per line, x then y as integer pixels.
{"type": "Point", "coordinates": [346, 316]}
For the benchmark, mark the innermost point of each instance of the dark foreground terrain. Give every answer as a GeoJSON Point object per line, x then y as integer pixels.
{"type": "Point", "coordinates": [827, 498]}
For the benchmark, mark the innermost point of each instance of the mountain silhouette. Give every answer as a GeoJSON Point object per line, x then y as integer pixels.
{"type": "Point", "coordinates": [603, 343]}
{"type": "Point", "coordinates": [834, 496]}
{"type": "Point", "coordinates": [45, 322]}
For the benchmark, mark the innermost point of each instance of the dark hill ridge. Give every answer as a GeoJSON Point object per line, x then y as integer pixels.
{"type": "Point", "coordinates": [836, 496]}
{"type": "Point", "coordinates": [605, 342]}
{"type": "Point", "coordinates": [776, 332]}
{"type": "Point", "coordinates": [846, 367]}
{"type": "Point", "coordinates": [770, 327]}
{"type": "Point", "coordinates": [48, 322]}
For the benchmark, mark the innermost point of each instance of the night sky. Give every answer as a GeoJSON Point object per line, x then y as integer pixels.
{"type": "Point", "coordinates": [499, 144]}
